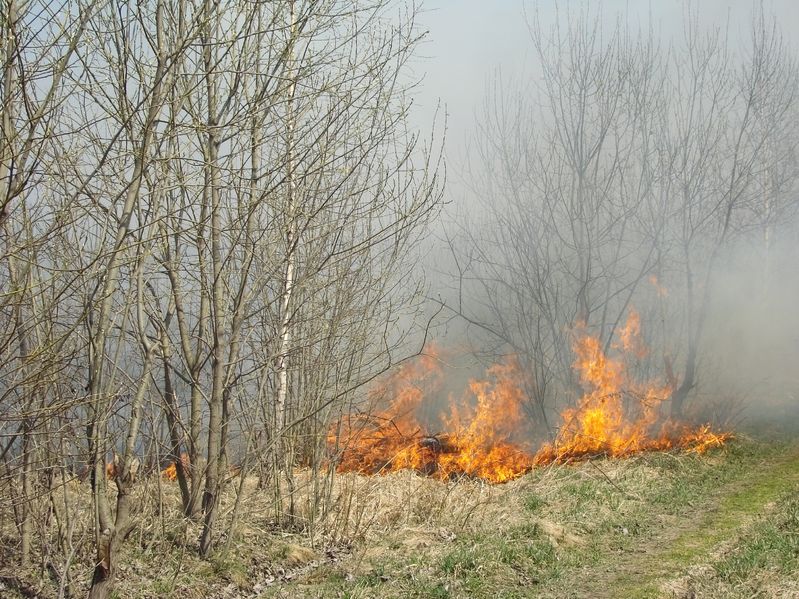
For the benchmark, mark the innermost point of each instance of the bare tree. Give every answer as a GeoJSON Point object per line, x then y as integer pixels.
{"type": "Point", "coordinates": [208, 215]}
{"type": "Point", "coordinates": [569, 193]}
{"type": "Point", "coordinates": [723, 117]}
{"type": "Point", "coordinates": [631, 161]}
{"type": "Point", "coordinates": [39, 43]}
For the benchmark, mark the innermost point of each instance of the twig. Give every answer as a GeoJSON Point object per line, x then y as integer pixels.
{"type": "Point", "coordinates": [613, 484]}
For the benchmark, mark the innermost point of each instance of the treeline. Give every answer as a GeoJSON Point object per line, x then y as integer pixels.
{"type": "Point", "coordinates": [209, 214]}
{"type": "Point", "coordinates": [633, 170]}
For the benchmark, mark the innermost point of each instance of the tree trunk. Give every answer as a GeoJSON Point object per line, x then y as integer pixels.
{"type": "Point", "coordinates": [688, 382]}
{"type": "Point", "coordinates": [218, 300]}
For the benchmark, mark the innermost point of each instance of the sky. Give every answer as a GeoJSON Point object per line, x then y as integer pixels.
{"type": "Point", "coordinates": [470, 41]}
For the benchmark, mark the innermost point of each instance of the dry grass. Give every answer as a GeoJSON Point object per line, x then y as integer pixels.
{"type": "Point", "coordinates": [402, 534]}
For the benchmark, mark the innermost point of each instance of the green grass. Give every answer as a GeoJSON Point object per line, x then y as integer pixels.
{"type": "Point", "coordinates": [771, 545]}
{"type": "Point", "coordinates": [764, 476]}
{"type": "Point", "coordinates": [462, 560]}
{"type": "Point", "coordinates": [534, 503]}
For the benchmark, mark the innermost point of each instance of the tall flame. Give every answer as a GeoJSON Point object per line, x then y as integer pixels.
{"type": "Point", "coordinates": [488, 434]}
{"type": "Point", "coordinates": [617, 416]}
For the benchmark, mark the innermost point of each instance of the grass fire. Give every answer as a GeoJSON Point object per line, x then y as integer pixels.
{"type": "Point", "coordinates": [486, 432]}
{"type": "Point", "coordinates": [397, 298]}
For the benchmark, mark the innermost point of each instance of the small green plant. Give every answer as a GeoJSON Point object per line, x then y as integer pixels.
{"type": "Point", "coordinates": [582, 492]}
{"type": "Point", "coordinates": [162, 588]}
{"type": "Point", "coordinates": [439, 591]}
{"type": "Point", "coordinates": [528, 530]}
{"type": "Point", "coordinates": [376, 577]}
{"type": "Point", "coordinates": [228, 568]}
{"type": "Point", "coordinates": [460, 560]}
{"type": "Point", "coordinates": [533, 502]}
{"type": "Point", "coordinates": [508, 552]}
{"type": "Point", "coordinates": [541, 551]}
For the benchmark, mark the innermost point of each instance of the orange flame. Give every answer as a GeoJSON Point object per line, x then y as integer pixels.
{"type": "Point", "coordinates": [488, 433]}
{"type": "Point", "coordinates": [484, 428]}
{"type": "Point", "coordinates": [171, 471]}
{"type": "Point", "coordinates": [616, 416]}
{"type": "Point", "coordinates": [660, 290]}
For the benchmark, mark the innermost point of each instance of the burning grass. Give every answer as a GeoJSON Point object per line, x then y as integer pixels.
{"type": "Point", "coordinates": [486, 438]}
{"type": "Point", "coordinates": [487, 433]}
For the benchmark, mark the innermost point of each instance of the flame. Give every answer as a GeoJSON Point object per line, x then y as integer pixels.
{"type": "Point", "coordinates": [487, 441]}
{"type": "Point", "coordinates": [171, 471]}
{"type": "Point", "coordinates": [660, 290]}
{"type": "Point", "coordinates": [630, 337]}
{"type": "Point", "coordinates": [484, 427]}
{"type": "Point", "coordinates": [488, 434]}
{"type": "Point", "coordinates": [616, 416]}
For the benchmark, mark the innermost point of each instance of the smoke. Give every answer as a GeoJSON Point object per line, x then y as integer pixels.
{"type": "Point", "coordinates": [716, 289]}
{"type": "Point", "coordinates": [751, 347]}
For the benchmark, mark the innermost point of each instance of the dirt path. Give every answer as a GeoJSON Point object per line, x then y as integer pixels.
{"type": "Point", "coordinates": [695, 537]}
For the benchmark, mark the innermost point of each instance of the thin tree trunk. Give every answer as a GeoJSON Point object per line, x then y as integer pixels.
{"type": "Point", "coordinates": [218, 301]}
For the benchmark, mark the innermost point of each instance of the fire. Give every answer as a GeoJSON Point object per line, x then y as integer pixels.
{"type": "Point", "coordinates": [660, 290]}
{"type": "Point", "coordinates": [487, 440]}
{"type": "Point", "coordinates": [171, 471]}
{"type": "Point", "coordinates": [488, 434]}
{"type": "Point", "coordinates": [616, 416]}
{"type": "Point", "coordinates": [484, 428]}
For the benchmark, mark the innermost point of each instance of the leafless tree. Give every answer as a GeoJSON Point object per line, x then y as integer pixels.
{"type": "Point", "coordinates": [725, 114]}
{"type": "Point", "coordinates": [569, 191]}
{"type": "Point", "coordinates": [630, 161]}
{"type": "Point", "coordinates": [209, 214]}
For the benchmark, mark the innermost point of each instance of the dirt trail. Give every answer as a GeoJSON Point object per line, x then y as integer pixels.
{"type": "Point", "coordinates": [697, 534]}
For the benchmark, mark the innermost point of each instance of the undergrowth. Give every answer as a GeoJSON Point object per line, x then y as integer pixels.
{"type": "Point", "coordinates": [553, 532]}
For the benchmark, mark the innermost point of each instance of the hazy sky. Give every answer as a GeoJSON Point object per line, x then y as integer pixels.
{"type": "Point", "coordinates": [470, 39]}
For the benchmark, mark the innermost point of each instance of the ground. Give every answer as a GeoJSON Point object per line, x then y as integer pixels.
{"type": "Point", "coordinates": [722, 524]}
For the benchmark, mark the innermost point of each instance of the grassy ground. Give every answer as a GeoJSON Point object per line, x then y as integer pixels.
{"type": "Point", "coordinates": [659, 525]}
{"type": "Point", "coordinates": [725, 524]}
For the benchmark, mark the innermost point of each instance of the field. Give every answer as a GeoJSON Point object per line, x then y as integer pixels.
{"type": "Point", "coordinates": [722, 524]}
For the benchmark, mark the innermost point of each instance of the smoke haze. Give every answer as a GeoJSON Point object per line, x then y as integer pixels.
{"type": "Point", "coordinates": [484, 68]}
